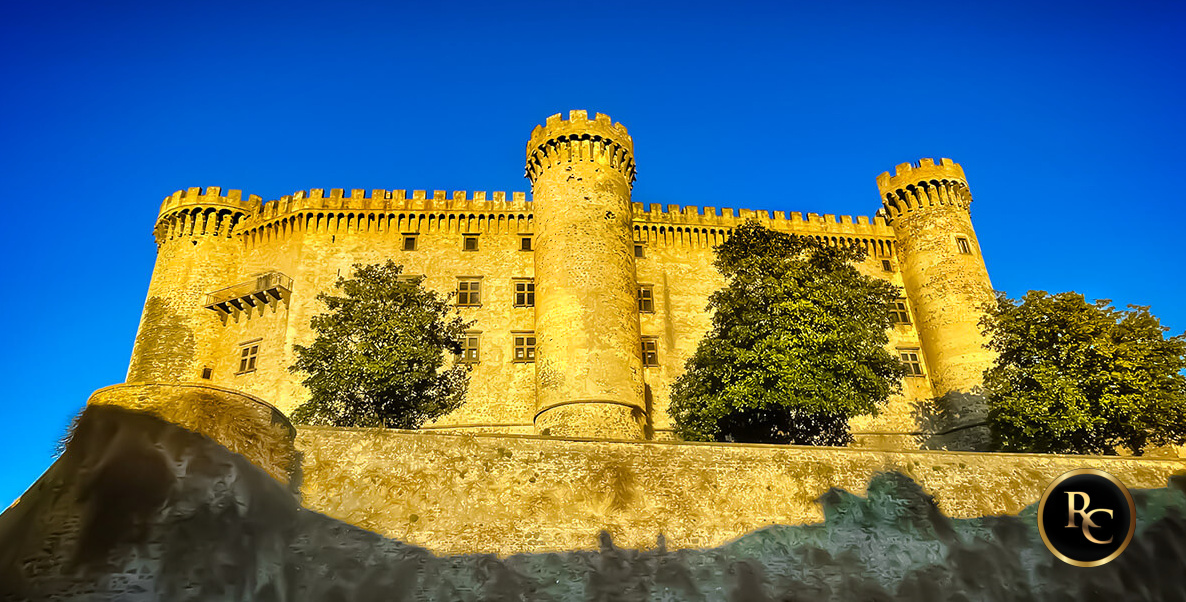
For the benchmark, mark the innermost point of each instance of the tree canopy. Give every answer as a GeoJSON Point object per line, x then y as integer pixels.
{"type": "Point", "coordinates": [1079, 377]}
{"type": "Point", "coordinates": [796, 348]}
{"type": "Point", "coordinates": [380, 355]}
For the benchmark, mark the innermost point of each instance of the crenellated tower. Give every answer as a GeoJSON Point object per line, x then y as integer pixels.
{"type": "Point", "coordinates": [589, 378]}
{"type": "Point", "coordinates": [197, 252]}
{"type": "Point", "coordinates": [947, 283]}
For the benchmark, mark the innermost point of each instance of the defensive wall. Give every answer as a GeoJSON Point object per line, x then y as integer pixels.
{"type": "Point", "coordinates": [456, 493]}
{"type": "Point", "coordinates": [315, 236]}
{"type": "Point", "coordinates": [504, 494]}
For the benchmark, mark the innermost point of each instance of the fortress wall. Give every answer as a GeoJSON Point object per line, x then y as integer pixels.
{"type": "Point", "coordinates": [315, 246]}
{"type": "Point", "coordinates": [315, 236]}
{"type": "Point", "coordinates": [242, 423]}
{"type": "Point", "coordinates": [505, 494]}
{"type": "Point", "coordinates": [678, 263]}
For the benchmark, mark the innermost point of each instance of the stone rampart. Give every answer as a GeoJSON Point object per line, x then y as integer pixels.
{"type": "Point", "coordinates": [506, 494]}
{"type": "Point", "coordinates": [242, 423]}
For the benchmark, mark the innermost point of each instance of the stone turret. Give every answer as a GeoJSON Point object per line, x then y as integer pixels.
{"type": "Point", "coordinates": [589, 379]}
{"type": "Point", "coordinates": [947, 284]}
{"type": "Point", "coordinates": [197, 252]}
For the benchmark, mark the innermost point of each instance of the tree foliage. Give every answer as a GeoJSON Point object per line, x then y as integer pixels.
{"type": "Point", "coordinates": [379, 358]}
{"type": "Point", "coordinates": [796, 348]}
{"type": "Point", "coordinates": [1079, 377]}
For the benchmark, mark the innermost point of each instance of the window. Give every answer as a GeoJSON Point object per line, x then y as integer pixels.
{"type": "Point", "coordinates": [886, 265]}
{"type": "Point", "coordinates": [650, 351]}
{"type": "Point", "coordinates": [524, 293]}
{"type": "Point", "coordinates": [525, 243]}
{"type": "Point", "coordinates": [469, 293]}
{"type": "Point", "coordinates": [639, 250]}
{"type": "Point", "coordinates": [524, 346]}
{"type": "Point", "coordinates": [646, 299]}
{"type": "Point", "coordinates": [962, 244]}
{"type": "Point", "coordinates": [409, 243]}
{"type": "Point", "coordinates": [910, 358]}
{"type": "Point", "coordinates": [898, 312]}
{"type": "Point", "coordinates": [469, 348]}
{"type": "Point", "coordinates": [207, 373]}
{"type": "Point", "coordinates": [470, 243]}
{"type": "Point", "coordinates": [248, 353]}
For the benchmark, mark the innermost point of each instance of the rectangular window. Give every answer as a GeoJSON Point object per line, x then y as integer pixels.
{"type": "Point", "coordinates": [646, 299]}
{"type": "Point", "coordinates": [524, 293]}
{"type": "Point", "coordinates": [639, 250]}
{"type": "Point", "coordinates": [525, 243]}
{"type": "Point", "coordinates": [471, 243]}
{"type": "Point", "coordinates": [409, 243]}
{"type": "Point", "coordinates": [962, 244]}
{"type": "Point", "coordinates": [886, 265]}
{"type": "Point", "coordinates": [469, 293]}
{"type": "Point", "coordinates": [910, 358]}
{"type": "Point", "coordinates": [524, 346]}
{"type": "Point", "coordinates": [650, 351]}
{"type": "Point", "coordinates": [469, 348]}
{"type": "Point", "coordinates": [207, 373]}
{"type": "Point", "coordinates": [898, 312]}
{"type": "Point", "coordinates": [248, 354]}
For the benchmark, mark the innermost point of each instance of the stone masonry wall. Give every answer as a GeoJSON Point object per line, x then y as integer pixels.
{"type": "Point", "coordinates": [456, 493]}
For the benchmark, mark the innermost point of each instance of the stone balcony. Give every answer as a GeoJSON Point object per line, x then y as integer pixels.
{"type": "Point", "coordinates": [262, 289]}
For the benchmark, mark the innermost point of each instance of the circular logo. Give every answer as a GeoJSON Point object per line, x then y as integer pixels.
{"type": "Point", "coordinates": [1087, 517]}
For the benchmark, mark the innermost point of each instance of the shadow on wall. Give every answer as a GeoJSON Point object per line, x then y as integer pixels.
{"type": "Point", "coordinates": [171, 350]}
{"type": "Point", "coordinates": [954, 422]}
{"type": "Point", "coordinates": [136, 506]}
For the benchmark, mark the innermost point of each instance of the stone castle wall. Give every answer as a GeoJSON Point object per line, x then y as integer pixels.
{"type": "Point", "coordinates": [315, 236]}
{"type": "Point", "coordinates": [505, 494]}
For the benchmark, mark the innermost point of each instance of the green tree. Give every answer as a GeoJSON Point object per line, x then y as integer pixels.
{"type": "Point", "coordinates": [1079, 377]}
{"type": "Point", "coordinates": [796, 348]}
{"type": "Point", "coordinates": [379, 358]}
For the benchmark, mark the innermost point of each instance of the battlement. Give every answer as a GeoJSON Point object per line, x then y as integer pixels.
{"type": "Point", "coordinates": [924, 170]}
{"type": "Point", "coordinates": [579, 126]}
{"type": "Point", "coordinates": [923, 184]}
{"type": "Point", "coordinates": [395, 200]}
{"type": "Point", "coordinates": [578, 138]}
{"type": "Point", "coordinates": [780, 220]}
{"type": "Point", "coordinates": [210, 196]}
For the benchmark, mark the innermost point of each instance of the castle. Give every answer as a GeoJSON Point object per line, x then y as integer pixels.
{"type": "Point", "coordinates": [586, 304]}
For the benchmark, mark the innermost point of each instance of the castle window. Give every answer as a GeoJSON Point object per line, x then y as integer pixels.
{"type": "Point", "coordinates": [525, 243]}
{"type": "Point", "coordinates": [409, 243]}
{"type": "Point", "coordinates": [469, 348]}
{"type": "Point", "coordinates": [962, 244]}
{"type": "Point", "coordinates": [639, 250]}
{"type": "Point", "coordinates": [471, 243]}
{"type": "Point", "coordinates": [886, 265]}
{"type": "Point", "coordinates": [207, 373]}
{"type": "Point", "coordinates": [248, 354]}
{"type": "Point", "coordinates": [910, 359]}
{"type": "Point", "coordinates": [650, 351]}
{"type": "Point", "coordinates": [646, 299]}
{"type": "Point", "coordinates": [524, 346]}
{"type": "Point", "coordinates": [469, 292]}
{"type": "Point", "coordinates": [524, 293]}
{"type": "Point", "coordinates": [898, 312]}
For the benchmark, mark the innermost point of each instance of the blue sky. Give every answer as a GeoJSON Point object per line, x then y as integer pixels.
{"type": "Point", "coordinates": [1068, 119]}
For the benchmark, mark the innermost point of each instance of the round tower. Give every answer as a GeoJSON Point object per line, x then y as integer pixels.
{"type": "Point", "coordinates": [588, 369]}
{"type": "Point", "coordinates": [947, 284]}
{"type": "Point", "coordinates": [197, 253]}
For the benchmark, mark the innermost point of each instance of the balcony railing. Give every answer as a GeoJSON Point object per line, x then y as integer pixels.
{"type": "Point", "coordinates": [265, 288]}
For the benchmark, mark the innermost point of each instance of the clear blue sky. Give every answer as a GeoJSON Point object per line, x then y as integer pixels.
{"type": "Point", "coordinates": [1068, 119]}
